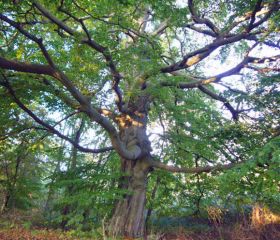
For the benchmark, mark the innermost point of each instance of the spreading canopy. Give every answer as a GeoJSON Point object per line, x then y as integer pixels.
{"type": "Point", "coordinates": [97, 59]}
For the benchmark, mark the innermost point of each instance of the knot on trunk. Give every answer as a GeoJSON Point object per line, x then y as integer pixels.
{"type": "Point", "coordinates": [133, 133]}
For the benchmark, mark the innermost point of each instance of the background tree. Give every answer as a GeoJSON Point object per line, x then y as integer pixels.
{"type": "Point", "coordinates": [126, 65]}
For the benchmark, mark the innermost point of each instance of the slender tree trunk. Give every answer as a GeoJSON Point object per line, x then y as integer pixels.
{"type": "Point", "coordinates": [73, 166]}
{"type": "Point", "coordinates": [51, 191]}
{"type": "Point", "coordinates": [12, 182]}
{"type": "Point", "coordinates": [5, 202]}
{"type": "Point", "coordinates": [149, 212]}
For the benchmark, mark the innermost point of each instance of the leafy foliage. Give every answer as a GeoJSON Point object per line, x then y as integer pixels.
{"type": "Point", "coordinates": [86, 87]}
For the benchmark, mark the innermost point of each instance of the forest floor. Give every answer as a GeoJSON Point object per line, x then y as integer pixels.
{"type": "Point", "coordinates": [261, 226]}
{"type": "Point", "coordinates": [238, 232]}
{"type": "Point", "coordinates": [19, 233]}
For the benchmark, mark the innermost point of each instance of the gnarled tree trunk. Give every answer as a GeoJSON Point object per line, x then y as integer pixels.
{"type": "Point", "coordinates": [128, 217]}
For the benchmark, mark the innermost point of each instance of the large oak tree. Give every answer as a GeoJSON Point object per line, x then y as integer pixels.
{"type": "Point", "coordinates": [125, 65]}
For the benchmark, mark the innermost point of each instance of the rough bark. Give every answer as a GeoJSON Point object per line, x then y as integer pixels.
{"type": "Point", "coordinates": [128, 218]}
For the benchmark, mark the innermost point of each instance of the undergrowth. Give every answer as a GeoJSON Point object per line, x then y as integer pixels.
{"type": "Point", "coordinates": [262, 224]}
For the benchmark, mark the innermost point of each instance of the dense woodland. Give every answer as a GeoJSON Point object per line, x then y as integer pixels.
{"type": "Point", "coordinates": [129, 118]}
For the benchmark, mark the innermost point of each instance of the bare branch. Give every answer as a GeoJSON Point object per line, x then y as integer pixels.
{"type": "Point", "coordinates": [19, 131]}
{"type": "Point", "coordinates": [221, 99]}
{"type": "Point", "coordinates": [257, 8]}
{"type": "Point", "coordinates": [268, 43]}
{"type": "Point", "coordinates": [55, 20]}
{"type": "Point", "coordinates": [26, 67]}
{"type": "Point", "coordinates": [66, 117]}
{"type": "Point", "coordinates": [265, 9]}
{"type": "Point", "coordinates": [200, 20]}
{"type": "Point", "coordinates": [60, 94]}
{"type": "Point", "coordinates": [39, 41]}
{"type": "Point", "coordinates": [160, 29]}
{"type": "Point", "coordinates": [233, 71]}
{"type": "Point", "coordinates": [233, 89]}
{"type": "Point", "coordinates": [213, 79]}
{"type": "Point", "coordinates": [200, 30]}
{"type": "Point", "coordinates": [196, 56]}
{"type": "Point", "coordinates": [274, 7]}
